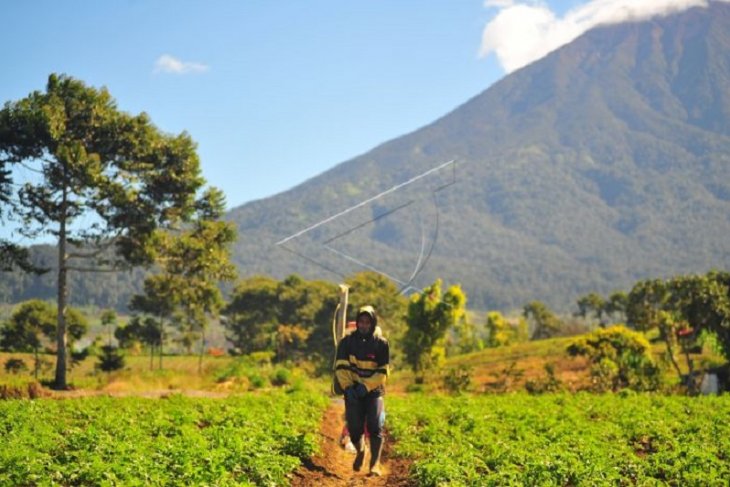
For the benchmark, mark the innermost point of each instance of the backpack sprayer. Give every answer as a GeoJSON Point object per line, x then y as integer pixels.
{"type": "Point", "coordinates": [338, 330]}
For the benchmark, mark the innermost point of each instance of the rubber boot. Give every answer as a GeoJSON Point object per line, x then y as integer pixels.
{"type": "Point", "coordinates": [376, 445]}
{"type": "Point", "coordinates": [359, 456]}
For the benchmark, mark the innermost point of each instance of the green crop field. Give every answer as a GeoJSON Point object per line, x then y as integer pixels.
{"type": "Point", "coordinates": [582, 439]}
{"type": "Point", "coordinates": [256, 439]}
{"type": "Point", "coordinates": [260, 438]}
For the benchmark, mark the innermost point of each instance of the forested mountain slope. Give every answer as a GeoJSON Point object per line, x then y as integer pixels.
{"type": "Point", "coordinates": [605, 162]}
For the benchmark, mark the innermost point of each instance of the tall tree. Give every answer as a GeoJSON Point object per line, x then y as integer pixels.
{"type": "Point", "coordinates": [498, 329]}
{"type": "Point", "coordinates": [264, 313]}
{"type": "Point", "coordinates": [142, 330]}
{"type": "Point", "coordinates": [703, 305]}
{"type": "Point", "coordinates": [109, 319]}
{"type": "Point", "coordinates": [197, 259]}
{"type": "Point", "coordinates": [545, 323]}
{"type": "Point", "coordinates": [615, 306]}
{"type": "Point", "coordinates": [252, 314]}
{"type": "Point", "coordinates": [594, 304]}
{"type": "Point", "coordinates": [651, 305]}
{"type": "Point", "coordinates": [430, 314]}
{"type": "Point", "coordinates": [94, 163]}
{"type": "Point", "coordinates": [159, 300]}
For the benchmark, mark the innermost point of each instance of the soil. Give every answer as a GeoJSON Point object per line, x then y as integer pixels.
{"type": "Point", "coordinates": [333, 465]}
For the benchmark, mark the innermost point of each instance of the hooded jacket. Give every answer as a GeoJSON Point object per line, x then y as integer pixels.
{"type": "Point", "coordinates": [363, 358]}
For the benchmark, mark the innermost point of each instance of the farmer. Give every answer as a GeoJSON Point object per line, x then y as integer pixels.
{"type": "Point", "coordinates": [361, 369]}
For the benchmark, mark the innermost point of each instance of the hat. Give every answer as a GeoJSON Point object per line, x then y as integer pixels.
{"type": "Point", "coordinates": [370, 311]}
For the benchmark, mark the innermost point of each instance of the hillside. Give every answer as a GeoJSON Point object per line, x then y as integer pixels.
{"type": "Point", "coordinates": [603, 163]}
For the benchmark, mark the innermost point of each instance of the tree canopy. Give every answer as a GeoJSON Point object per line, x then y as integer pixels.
{"type": "Point", "coordinates": [430, 314]}
{"type": "Point", "coordinates": [294, 316]}
{"type": "Point", "coordinates": [546, 324]}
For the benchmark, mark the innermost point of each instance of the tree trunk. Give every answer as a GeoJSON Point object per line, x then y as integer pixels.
{"type": "Point", "coordinates": [202, 350]}
{"type": "Point", "coordinates": [162, 331]}
{"type": "Point", "coordinates": [691, 385]}
{"type": "Point", "coordinates": [60, 382]}
{"type": "Point", "coordinates": [670, 350]}
{"type": "Point", "coordinates": [37, 364]}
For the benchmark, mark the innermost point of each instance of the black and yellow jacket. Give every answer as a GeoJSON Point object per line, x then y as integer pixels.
{"type": "Point", "coordinates": [364, 359]}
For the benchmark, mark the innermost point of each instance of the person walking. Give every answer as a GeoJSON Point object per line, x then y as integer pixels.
{"type": "Point", "coordinates": [361, 369]}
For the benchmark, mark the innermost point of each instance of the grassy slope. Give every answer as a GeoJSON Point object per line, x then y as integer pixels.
{"type": "Point", "coordinates": [507, 369]}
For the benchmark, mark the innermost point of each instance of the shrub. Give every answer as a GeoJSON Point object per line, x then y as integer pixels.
{"type": "Point", "coordinates": [262, 358]}
{"type": "Point", "coordinates": [550, 383]}
{"type": "Point", "coordinates": [458, 379]}
{"type": "Point", "coordinates": [256, 380]}
{"type": "Point", "coordinates": [415, 387]}
{"type": "Point", "coordinates": [15, 366]}
{"type": "Point", "coordinates": [31, 390]}
{"type": "Point", "coordinates": [111, 359]}
{"type": "Point", "coordinates": [280, 377]}
{"type": "Point", "coordinates": [297, 385]}
{"type": "Point", "coordinates": [621, 358]}
{"type": "Point", "coordinates": [505, 378]}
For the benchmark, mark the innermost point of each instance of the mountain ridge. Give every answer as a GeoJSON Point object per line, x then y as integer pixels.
{"type": "Point", "coordinates": [605, 162]}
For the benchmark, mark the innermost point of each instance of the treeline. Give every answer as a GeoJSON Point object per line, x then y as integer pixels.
{"type": "Point", "coordinates": [291, 320]}
{"type": "Point", "coordinates": [100, 289]}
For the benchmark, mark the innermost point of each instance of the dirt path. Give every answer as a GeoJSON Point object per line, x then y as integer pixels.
{"type": "Point", "coordinates": [333, 466]}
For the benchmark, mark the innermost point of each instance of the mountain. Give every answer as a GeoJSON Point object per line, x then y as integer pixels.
{"type": "Point", "coordinates": [605, 162]}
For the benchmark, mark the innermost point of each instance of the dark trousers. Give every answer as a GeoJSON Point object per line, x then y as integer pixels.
{"type": "Point", "coordinates": [370, 411]}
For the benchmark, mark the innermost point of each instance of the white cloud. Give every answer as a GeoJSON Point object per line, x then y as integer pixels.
{"type": "Point", "coordinates": [499, 3]}
{"type": "Point", "coordinates": [170, 64]}
{"type": "Point", "coordinates": [525, 31]}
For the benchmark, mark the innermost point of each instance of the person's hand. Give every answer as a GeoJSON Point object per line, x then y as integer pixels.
{"type": "Point", "coordinates": [357, 391]}
{"type": "Point", "coordinates": [350, 394]}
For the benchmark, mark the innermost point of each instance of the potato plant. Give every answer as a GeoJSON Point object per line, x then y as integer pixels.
{"type": "Point", "coordinates": [562, 439]}
{"type": "Point", "coordinates": [255, 439]}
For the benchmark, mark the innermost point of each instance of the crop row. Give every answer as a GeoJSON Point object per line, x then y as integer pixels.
{"type": "Point", "coordinates": [243, 440]}
{"type": "Point", "coordinates": [564, 439]}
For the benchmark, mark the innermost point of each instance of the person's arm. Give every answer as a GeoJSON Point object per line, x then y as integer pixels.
{"type": "Point", "coordinates": [343, 371]}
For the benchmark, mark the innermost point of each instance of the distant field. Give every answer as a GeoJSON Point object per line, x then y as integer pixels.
{"type": "Point", "coordinates": [222, 375]}
{"type": "Point", "coordinates": [501, 369]}
{"type": "Point", "coordinates": [178, 372]}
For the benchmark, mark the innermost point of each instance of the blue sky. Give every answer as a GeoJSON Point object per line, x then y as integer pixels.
{"type": "Point", "coordinates": [276, 92]}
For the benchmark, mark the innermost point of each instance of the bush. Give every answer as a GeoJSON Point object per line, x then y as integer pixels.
{"type": "Point", "coordinates": [297, 385]}
{"type": "Point", "coordinates": [548, 384]}
{"type": "Point", "coordinates": [15, 366]}
{"type": "Point", "coordinates": [415, 387]}
{"type": "Point", "coordinates": [458, 379]}
{"type": "Point", "coordinates": [31, 390]}
{"type": "Point", "coordinates": [262, 358]}
{"type": "Point", "coordinates": [111, 359]}
{"type": "Point", "coordinates": [505, 379]}
{"type": "Point", "coordinates": [280, 377]}
{"type": "Point", "coordinates": [621, 359]}
{"type": "Point", "coordinates": [256, 381]}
